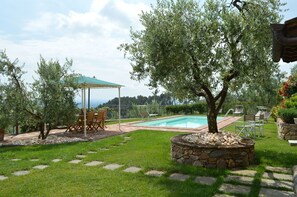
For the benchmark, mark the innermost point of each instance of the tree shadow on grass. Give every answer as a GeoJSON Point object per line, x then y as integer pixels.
{"type": "Point", "coordinates": [274, 158]}
{"type": "Point", "coordinates": [18, 148]}
{"type": "Point", "coordinates": [190, 187]}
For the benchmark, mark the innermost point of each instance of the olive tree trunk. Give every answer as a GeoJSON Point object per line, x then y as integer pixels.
{"type": "Point", "coordinates": [212, 117]}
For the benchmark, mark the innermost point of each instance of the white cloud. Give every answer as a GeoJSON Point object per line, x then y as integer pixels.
{"type": "Point", "coordinates": [132, 10]}
{"type": "Point", "coordinates": [98, 5]}
{"type": "Point", "coordinates": [89, 38]}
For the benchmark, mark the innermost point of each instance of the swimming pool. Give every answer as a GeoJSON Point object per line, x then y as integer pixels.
{"type": "Point", "coordinates": [181, 122]}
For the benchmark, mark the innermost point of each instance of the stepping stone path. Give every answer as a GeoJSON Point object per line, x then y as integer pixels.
{"type": "Point", "coordinates": [40, 167]}
{"type": "Point", "coordinates": [34, 159]}
{"type": "Point", "coordinates": [81, 156]}
{"type": "Point", "coordinates": [275, 182]}
{"type": "Point", "coordinates": [272, 175]}
{"type": "Point", "coordinates": [132, 169]}
{"type": "Point", "coordinates": [235, 189]}
{"type": "Point", "coordinates": [21, 173]}
{"type": "Point", "coordinates": [179, 177]}
{"type": "Point", "coordinates": [275, 193]}
{"type": "Point", "coordinates": [155, 173]}
{"type": "Point", "coordinates": [240, 179]}
{"type": "Point", "coordinates": [76, 161]}
{"type": "Point", "coordinates": [279, 169]}
{"type": "Point", "coordinates": [56, 160]}
{"type": "Point", "coordinates": [92, 152]}
{"type": "Point", "coordinates": [3, 177]}
{"type": "Point", "coordinates": [244, 172]}
{"type": "Point", "coordinates": [205, 180]}
{"type": "Point", "coordinates": [112, 166]}
{"type": "Point", "coordinates": [94, 163]}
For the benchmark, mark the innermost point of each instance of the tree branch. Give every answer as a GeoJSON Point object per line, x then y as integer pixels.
{"type": "Point", "coordinates": [197, 93]}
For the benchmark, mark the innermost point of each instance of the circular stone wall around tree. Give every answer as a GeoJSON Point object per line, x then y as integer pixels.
{"type": "Point", "coordinates": [212, 156]}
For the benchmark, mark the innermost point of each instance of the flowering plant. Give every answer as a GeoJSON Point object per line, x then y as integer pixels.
{"type": "Point", "coordinates": [289, 87]}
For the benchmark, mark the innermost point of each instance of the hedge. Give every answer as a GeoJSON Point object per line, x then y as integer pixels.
{"type": "Point", "coordinates": [187, 109]}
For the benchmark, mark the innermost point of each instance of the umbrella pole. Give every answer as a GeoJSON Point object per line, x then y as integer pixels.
{"type": "Point", "coordinates": [119, 108]}
{"type": "Point", "coordinates": [89, 99]}
{"type": "Point", "coordinates": [85, 114]}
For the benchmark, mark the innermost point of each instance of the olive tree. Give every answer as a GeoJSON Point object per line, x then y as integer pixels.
{"type": "Point", "coordinates": [294, 70]}
{"type": "Point", "coordinates": [49, 101]}
{"type": "Point", "coordinates": [203, 51]}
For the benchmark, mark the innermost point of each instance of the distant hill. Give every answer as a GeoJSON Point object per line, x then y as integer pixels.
{"type": "Point", "coordinates": [94, 103]}
{"type": "Point", "coordinates": [126, 101]}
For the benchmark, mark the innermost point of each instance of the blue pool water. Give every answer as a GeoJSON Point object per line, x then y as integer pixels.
{"type": "Point", "coordinates": [182, 122]}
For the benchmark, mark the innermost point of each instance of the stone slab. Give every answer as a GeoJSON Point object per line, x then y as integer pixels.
{"type": "Point", "coordinates": [94, 163]}
{"type": "Point", "coordinates": [277, 184]}
{"type": "Point", "coordinates": [223, 195]}
{"type": "Point", "coordinates": [244, 172]}
{"type": "Point", "coordinates": [75, 161]}
{"type": "Point", "coordinates": [41, 167]}
{"type": "Point", "coordinates": [3, 177]}
{"type": "Point", "coordinates": [104, 149]}
{"type": "Point", "coordinates": [127, 138]}
{"type": "Point", "coordinates": [81, 156]}
{"type": "Point", "coordinates": [235, 189]}
{"type": "Point", "coordinates": [240, 179]}
{"type": "Point", "coordinates": [178, 177]}
{"type": "Point", "coordinates": [112, 166]}
{"type": "Point", "coordinates": [205, 180]}
{"type": "Point", "coordinates": [56, 160]}
{"type": "Point", "coordinates": [21, 173]}
{"type": "Point", "coordinates": [92, 152]}
{"type": "Point", "coordinates": [132, 169]}
{"type": "Point", "coordinates": [264, 192]}
{"type": "Point", "coordinates": [273, 175]}
{"type": "Point", "coordinates": [155, 173]}
{"type": "Point", "coordinates": [15, 159]}
{"type": "Point", "coordinates": [293, 142]}
{"type": "Point", "coordinates": [279, 169]}
{"type": "Point", "coordinates": [34, 159]}
{"type": "Point", "coordinates": [295, 178]}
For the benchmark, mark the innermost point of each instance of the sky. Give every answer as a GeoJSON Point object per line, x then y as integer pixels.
{"type": "Point", "coordinates": [86, 31]}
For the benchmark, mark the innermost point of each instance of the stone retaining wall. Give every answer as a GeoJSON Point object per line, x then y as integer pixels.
{"type": "Point", "coordinates": [212, 156]}
{"type": "Point", "coordinates": [286, 131]}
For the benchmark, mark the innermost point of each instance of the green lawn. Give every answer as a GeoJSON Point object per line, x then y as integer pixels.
{"type": "Point", "coordinates": [146, 149]}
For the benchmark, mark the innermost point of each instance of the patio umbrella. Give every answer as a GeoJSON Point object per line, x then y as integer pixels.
{"type": "Point", "coordinates": [89, 82]}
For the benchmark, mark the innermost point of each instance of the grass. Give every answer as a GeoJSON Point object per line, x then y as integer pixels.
{"type": "Point", "coordinates": [146, 149]}
{"type": "Point", "coordinates": [116, 121]}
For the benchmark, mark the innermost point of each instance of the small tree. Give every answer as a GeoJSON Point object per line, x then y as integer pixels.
{"type": "Point", "coordinates": [195, 51]}
{"type": "Point", "coordinates": [294, 70]}
{"type": "Point", "coordinates": [51, 98]}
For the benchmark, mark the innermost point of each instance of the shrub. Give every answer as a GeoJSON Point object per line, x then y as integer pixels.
{"type": "Point", "coordinates": [187, 109]}
{"type": "Point", "coordinates": [291, 102]}
{"type": "Point", "coordinates": [289, 87]}
{"type": "Point", "coordinates": [288, 114]}
{"type": "Point", "coordinates": [274, 112]}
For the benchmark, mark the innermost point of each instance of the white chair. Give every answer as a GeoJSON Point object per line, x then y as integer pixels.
{"type": "Point", "coordinates": [258, 124]}
{"type": "Point", "coordinates": [248, 128]}
{"type": "Point", "coordinates": [238, 110]}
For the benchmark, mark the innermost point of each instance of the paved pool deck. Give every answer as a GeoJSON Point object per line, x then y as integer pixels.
{"type": "Point", "coordinates": [129, 127]}
{"type": "Point", "coordinates": [114, 129]}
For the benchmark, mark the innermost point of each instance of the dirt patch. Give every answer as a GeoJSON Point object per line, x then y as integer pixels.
{"type": "Point", "coordinates": [57, 136]}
